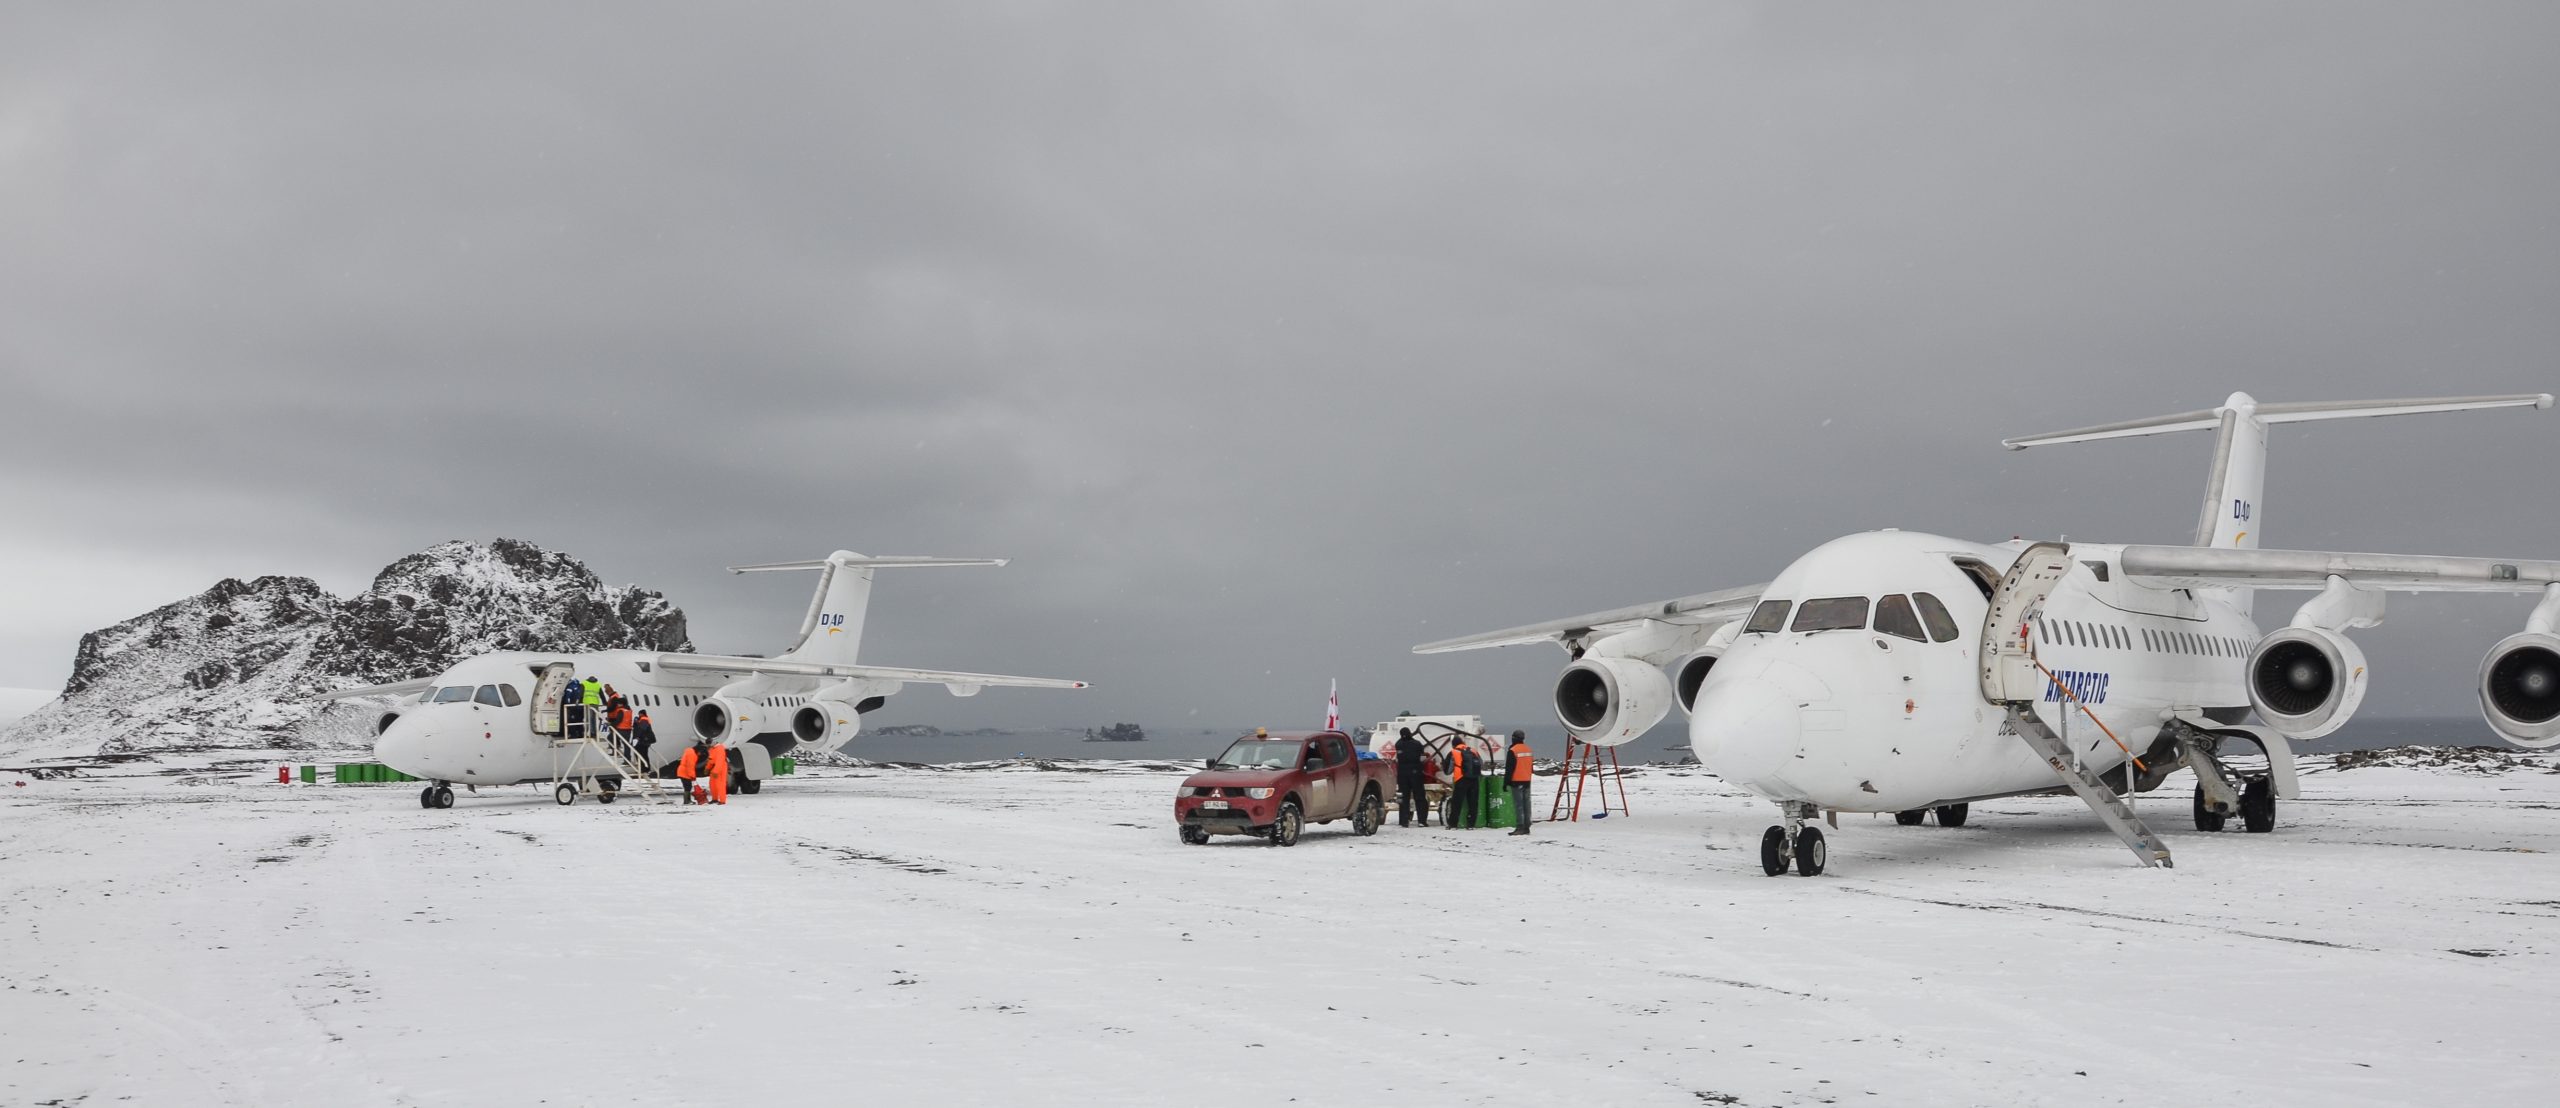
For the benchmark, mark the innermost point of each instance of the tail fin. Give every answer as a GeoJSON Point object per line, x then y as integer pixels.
{"type": "Point", "coordinates": [831, 633]}
{"type": "Point", "coordinates": [2231, 496]}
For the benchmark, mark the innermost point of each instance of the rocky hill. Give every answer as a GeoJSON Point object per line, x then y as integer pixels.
{"type": "Point", "coordinates": [234, 665]}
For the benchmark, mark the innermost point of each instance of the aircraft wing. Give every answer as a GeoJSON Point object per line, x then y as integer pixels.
{"type": "Point", "coordinates": [2207, 567]}
{"type": "Point", "coordinates": [403, 688]}
{"type": "Point", "coordinates": [1723, 606]}
{"type": "Point", "coordinates": [718, 663]}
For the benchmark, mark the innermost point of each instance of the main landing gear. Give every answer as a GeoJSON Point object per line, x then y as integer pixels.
{"type": "Point", "coordinates": [438, 795]}
{"type": "Point", "coordinates": [1795, 842]}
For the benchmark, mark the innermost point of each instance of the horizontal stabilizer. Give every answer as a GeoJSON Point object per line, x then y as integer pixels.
{"type": "Point", "coordinates": [2299, 412]}
{"type": "Point", "coordinates": [868, 563]}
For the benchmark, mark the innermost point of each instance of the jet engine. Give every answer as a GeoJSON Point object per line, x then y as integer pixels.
{"type": "Point", "coordinates": [1607, 701]}
{"type": "Point", "coordinates": [2520, 689]}
{"type": "Point", "coordinates": [716, 719]}
{"type": "Point", "coordinates": [2306, 681]}
{"type": "Point", "coordinates": [384, 724]}
{"type": "Point", "coordinates": [826, 723]}
{"type": "Point", "coordinates": [1692, 674]}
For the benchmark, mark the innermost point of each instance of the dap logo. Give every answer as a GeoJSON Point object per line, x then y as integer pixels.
{"type": "Point", "coordinates": [832, 622]}
{"type": "Point", "coordinates": [2242, 510]}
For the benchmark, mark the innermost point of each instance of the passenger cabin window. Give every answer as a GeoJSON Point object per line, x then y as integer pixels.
{"type": "Point", "coordinates": [1942, 627]}
{"type": "Point", "coordinates": [488, 695]}
{"type": "Point", "coordinates": [1837, 613]}
{"type": "Point", "coordinates": [1768, 618]}
{"type": "Point", "coordinates": [453, 694]}
{"type": "Point", "coordinates": [1894, 617]}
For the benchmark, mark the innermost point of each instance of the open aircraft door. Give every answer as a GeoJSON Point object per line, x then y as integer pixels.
{"type": "Point", "coordinates": [546, 697]}
{"type": "Point", "coordinates": [2009, 672]}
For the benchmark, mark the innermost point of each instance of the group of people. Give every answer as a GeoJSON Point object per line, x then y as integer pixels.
{"type": "Point", "coordinates": [1464, 769]}
{"type": "Point", "coordinates": [586, 701]}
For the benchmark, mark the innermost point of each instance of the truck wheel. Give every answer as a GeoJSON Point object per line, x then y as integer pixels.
{"type": "Point", "coordinates": [1196, 836]}
{"type": "Point", "coordinates": [1371, 815]}
{"type": "Point", "coordinates": [1285, 828]}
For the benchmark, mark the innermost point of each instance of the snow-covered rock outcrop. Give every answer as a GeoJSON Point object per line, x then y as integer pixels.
{"type": "Point", "coordinates": [235, 665]}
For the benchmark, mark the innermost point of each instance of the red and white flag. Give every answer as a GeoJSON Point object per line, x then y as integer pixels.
{"type": "Point", "coordinates": [1333, 707]}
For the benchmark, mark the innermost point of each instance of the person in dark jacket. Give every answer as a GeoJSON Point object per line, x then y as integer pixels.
{"type": "Point", "coordinates": [1463, 786]}
{"type": "Point", "coordinates": [1411, 800]}
{"type": "Point", "coordinates": [1523, 762]}
{"type": "Point", "coordinates": [642, 735]}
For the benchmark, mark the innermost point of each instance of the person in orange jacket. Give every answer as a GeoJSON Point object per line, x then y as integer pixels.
{"type": "Point", "coordinates": [687, 768]}
{"type": "Point", "coordinates": [1524, 763]}
{"type": "Point", "coordinates": [719, 775]}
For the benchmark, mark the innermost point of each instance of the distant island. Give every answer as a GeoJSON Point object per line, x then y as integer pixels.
{"type": "Point", "coordinates": [929, 731]}
{"type": "Point", "coordinates": [1116, 733]}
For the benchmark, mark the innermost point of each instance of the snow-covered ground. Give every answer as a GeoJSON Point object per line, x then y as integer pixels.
{"type": "Point", "coordinates": [185, 931]}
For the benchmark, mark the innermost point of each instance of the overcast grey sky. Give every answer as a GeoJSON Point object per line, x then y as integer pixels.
{"type": "Point", "coordinates": [1268, 339]}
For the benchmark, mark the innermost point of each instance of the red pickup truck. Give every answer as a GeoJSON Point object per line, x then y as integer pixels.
{"type": "Point", "coordinates": [1273, 786]}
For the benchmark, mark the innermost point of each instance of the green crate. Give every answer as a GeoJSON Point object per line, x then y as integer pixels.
{"type": "Point", "coordinates": [785, 767]}
{"type": "Point", "coordinates": [310, 774]}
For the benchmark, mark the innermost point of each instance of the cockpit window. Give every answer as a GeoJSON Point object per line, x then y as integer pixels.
{"type": "Point", "coordinates": [1894, 617]}
{"type": "Point", "coordinates": [1837, 613]}
{"type": "Point", "coordinates": [1942, 627]}
{"type": "Point", "coordinates": [509, 692]}
{"type": "Point", "coordinates": [488, 695]}
{"type": "Point", "coordinates": [1770, 617]}
{"type": "Point", "coordinates": [453, 694]}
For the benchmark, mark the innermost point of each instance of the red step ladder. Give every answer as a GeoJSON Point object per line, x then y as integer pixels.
{"type": "Point", "coordinates": [1582, 763]}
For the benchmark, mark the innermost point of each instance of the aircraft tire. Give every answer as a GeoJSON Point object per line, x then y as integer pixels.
{"type": "Point", "coordinates": [2258, 806]}
{"type": "Point", "coordinates": [427, 797]}
{"type": "Point", "coordinates": [566, 794]}
{"type": "Point", "coordinates": [750, 786]}
{"type": "Point", "coordinates": [1952, 815]}
{"type": "Point", "coordinates": [1286, 826]}
{"type": "Point", "coordinates": [1811, 852]}
{"type": "Point", "coordinates": [1773, 851]}
{"type": "Point", "coordinates": [444, 796]}
{"type": "Point", "coordinates": [2206, 818]}
{"type": "Point", "coordinates": [1912, 818]}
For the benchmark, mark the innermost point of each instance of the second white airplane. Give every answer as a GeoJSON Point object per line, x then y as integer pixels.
{"type": "Point", "coordinates": [496, 719]}
{"type": "Point", "coordinates": [1901, 672]}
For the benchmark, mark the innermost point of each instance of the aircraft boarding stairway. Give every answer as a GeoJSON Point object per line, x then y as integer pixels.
{"type": "Point", "coordinates": [2014, 679]}
{"type": "Point", "coordinates": [576, 751]}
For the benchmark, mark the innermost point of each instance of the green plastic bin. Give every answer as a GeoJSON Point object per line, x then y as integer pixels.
{"type": "Point", "coordinates": [310, 774]}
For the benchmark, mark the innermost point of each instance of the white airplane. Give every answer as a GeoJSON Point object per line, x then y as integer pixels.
{"type": "Point", "coordinates": [1900, 672]}
{"type": "Point", "coordinates": [495, 719]}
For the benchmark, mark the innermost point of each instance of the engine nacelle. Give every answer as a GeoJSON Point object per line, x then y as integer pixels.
{"type": "Point", "coordinates": [2306, 681]}
{"type": "Point", "coordinates": [716, 719]}
{"type": "Point", "coordinates": [384, 724]}
{"type": "Point", "coordinates": [2520, 689]}
{"type": "Point", "coordinates": [826, 723]}
{"type": "Point", "coordinates": [1607, 701]}
{"type": "Point", "coordinates": [1692, 674]}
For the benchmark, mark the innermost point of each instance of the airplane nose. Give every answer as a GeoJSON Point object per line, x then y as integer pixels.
{"type": "Point", "coordinates": [402, 746]}
{"type": "Point", "coordinates": [1745, 730]}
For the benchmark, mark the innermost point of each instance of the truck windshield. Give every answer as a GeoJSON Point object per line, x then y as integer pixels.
{"type": "Point", "coordinates": [1261, 754]}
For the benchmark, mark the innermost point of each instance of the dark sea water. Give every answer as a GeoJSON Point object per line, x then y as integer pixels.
{"type": "Point", "coordinates": [1192, 743]}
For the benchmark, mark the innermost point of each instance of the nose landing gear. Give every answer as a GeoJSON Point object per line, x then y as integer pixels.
{"type": "Point", "coordinates": [1794, 842]}
{"type": "Point", "coordinates": [438, 795]}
